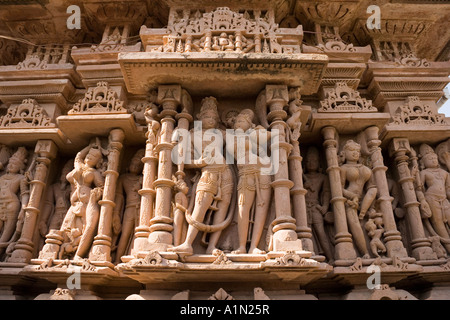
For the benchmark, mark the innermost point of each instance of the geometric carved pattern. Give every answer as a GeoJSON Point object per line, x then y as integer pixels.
{"type": "Point", "coordinates": [344, 99]}
{"type": "Point", "coordinates": [415, 112]}
{"type": "Point", "coordinates": [26, 115]}
{"type": "Point", "coordinates": [99, 100]}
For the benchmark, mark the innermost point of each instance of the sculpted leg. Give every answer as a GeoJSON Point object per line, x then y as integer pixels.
{"type": "Point", "coordinates": [245, 198]}
{"type": "Point", "coordinates": [127, 229]}
{"type": "Point", "coordinates": [262, 207]}
{"type": "Point", "coordinates": [356, 231]}
{"type": "Point", "coordinates": [220, 216]}
{"type": "Point", "coordinates": [203, 201]}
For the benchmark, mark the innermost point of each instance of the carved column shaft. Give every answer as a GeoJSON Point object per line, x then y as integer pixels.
{"type": "Point", "coordinates": [147, 193]}
{"type": "Point", "coordinates": [46, 151]}
{"type": "Point", "coordinates": [421, 246]}
{"type": "Point", "coordinates": [344, 247]}
{"type": "Point", "coordinates": [161, 225]}
{"type": "Point", "coordinates": [101, 250]}
{"type": "Point", "coordinates": [392, 236]}
{"type": "Point", "coordinates": [284, 225]}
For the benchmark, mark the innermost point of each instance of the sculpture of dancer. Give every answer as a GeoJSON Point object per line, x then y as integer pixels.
{"type": "Point", "coordinates": [213, 190]}
{"type": "Point", "coordinates": [375, 232]}
{"type": "Point", "coordinates": [12, 205]}
{"type": "Point", "coordinates": [354, 177]}
{"type": "Point", "coordinates": [436, 190]}
{"type": "Point", "coordinates": [129, 185]}
{"type": "Point", "coordinates": [87, 182]}
{"type": "Point", "coordinates": [317, 198]}
{"type": "Point", "coordinates": [254, 191]}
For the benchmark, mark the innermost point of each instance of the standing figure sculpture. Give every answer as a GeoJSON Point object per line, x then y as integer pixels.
{"type": "Point", "coordinates": [254, 191]}
{"type": "Point", "coordinates": [57, 202]}
{"type": "Point", "coordinates": [87, 182]}
{"type": "Point", "coordinates": [354, 177]}
{"type": "Point", "coordinates": [436, 191]}
{"type": "Point", "coordinates": [317, 199]}
{"type": "Point", "coordinates": [129, 185]}
{"type": "Point", "coordinates": [214, 189]}
{"type": "Point", "coordinates": [14, 195]}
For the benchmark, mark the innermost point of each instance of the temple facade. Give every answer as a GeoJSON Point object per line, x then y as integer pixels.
{"type": "Point", "coordinates": [222, 150]}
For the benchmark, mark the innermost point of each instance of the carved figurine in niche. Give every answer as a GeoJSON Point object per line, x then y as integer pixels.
{"type": "Point", "coordinates": [57, 202]}
{"type": "Point", "coordinates": [223, 42]}
{"type": "Point", "coordinates": [375, 233]}
{"type": "Point", "coordinates": [354, 177]}
{"type": "Point", "coordinates": [254, 191]}
{"type": "Point", "coordinates": [213, 190]}
{"type": "Point", "coordinates": [87, 181]}
{"type": "Point", "coordinates": [70, 243]}
{"type": "Point", "coordinates": [128, 200]}
{"type": "Point", "coordinates": [443, 152]}
{"type": "Point", "coordinates": [317, 198]}
{"type": "Point", "coordinates": [14, 195]}
{"type": "Point", "coordinates": [180, 206]}
{"type": "Point", "coordinates": [436, 191]}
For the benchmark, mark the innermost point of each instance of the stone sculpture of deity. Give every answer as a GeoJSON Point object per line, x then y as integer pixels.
{"type": "Point", "coordinates": [14, 195]}
{"type": "Point", "coordinates": [254, 191]}
{"type": "Point", "coordinates": [436, 190]}
{"type": "Point", "coordinates": [128, 199]}
{"type": "Point", "coordinates": [213, 190]}
{"type": "Point", "coordinates": [354, 177]}
{"type": "Point", "coordinates": [87, 182]}
{"type": "Point", "coordinates": [317, 198]}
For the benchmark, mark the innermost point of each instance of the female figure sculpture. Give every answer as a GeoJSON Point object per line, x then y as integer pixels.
{"type": "Point", "coordinates": [12, 205]}
{"type": "Point", "coordinates": [254, 191]}
{"type": "Point", "coordinates": [87, 182]}
{"type": "Point", "coordinates": [214, 188]}
{"type": "Point", "coordinates": [354, 177]}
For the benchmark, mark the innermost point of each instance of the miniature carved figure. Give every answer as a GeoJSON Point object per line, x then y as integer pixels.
{"type": "Point", "coordinates": [87, 181]}
{"type": "Point", "coordinates": [375, 232]}
{"type": "Point", "coordinates": [213, 191]}
{"type": "Point", "coordinates": [12, 204]}
{"type": "Point", "coordinates": [128, 185]}
{"type": "Point", "coordinates": [354, 177]}
{"type": "Point", "coordinates": [317, 198]}
{"type": "Point", "coordinates": [254, 191]}
{"type": "Point", "coordinates": [70, 244]}
{"type": "Point", "coordinates": [180, 207]}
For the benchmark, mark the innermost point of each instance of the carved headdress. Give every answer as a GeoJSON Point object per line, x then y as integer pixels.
{"type": "Point", "coordinates": [209, 104]}
{"type": "Point", "coordinates": [20, 157]}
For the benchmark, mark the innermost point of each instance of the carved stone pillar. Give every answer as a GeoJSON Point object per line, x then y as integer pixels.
{"type": "Point", "coordinates": [421, 246]}
{"type": "Point", "coordinates": [46, 151]}
{"type": "Point", "coordinates": [343, 239]}
{"type": "Point", "coordinates": [147, 192]}
{"type": "Point", "coordinates": [392, 236]}
{"type": "Point", "coordinates": [284, 225]}
{"type": "Point", "coordinates": [161, 225]}
{"type": "Point", "coordinates": [298, 197]}
{"type": "Point", "coordinates": [101, 248]}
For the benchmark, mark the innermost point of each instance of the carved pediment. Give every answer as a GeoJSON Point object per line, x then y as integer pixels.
{"type": "Point", "coordinates": [26, 115]}
{"type": "Point", "coordinates": [416, 112]}
{"type": "Point", "coordinates": [99, 100]}
{"type": "Point", "coordinates": [344, 99]}
{"type": "Point", "coordinates": [225, 30]}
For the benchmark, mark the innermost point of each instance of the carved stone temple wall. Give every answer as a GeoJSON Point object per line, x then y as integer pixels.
{"type": "Point", "coordinates": [224, 150]}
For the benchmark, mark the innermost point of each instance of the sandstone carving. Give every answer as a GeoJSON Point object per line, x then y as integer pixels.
{"type": "Point", "coordinates": [224, 150]}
